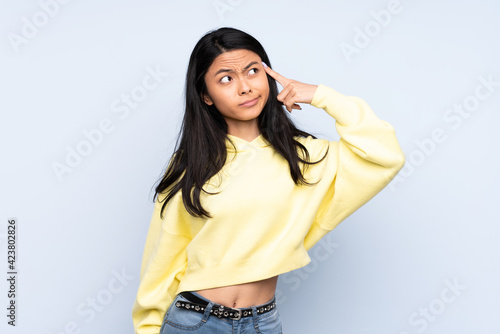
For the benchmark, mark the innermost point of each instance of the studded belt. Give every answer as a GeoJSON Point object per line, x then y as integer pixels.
{"type": "Point", "coordinates": [199, 305]}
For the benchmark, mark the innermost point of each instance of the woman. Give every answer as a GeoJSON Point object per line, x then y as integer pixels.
{"type": "Point", "coordinates": [246, 194]}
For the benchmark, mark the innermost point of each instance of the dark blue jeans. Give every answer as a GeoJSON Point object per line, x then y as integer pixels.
{"type": "Point", "coordinates": [180, 321]}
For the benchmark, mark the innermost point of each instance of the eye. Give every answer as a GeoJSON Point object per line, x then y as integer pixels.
{"type": "Point", "coordinates": [222, 79]}
{"type": "Point", "coordinates": [255, 69]}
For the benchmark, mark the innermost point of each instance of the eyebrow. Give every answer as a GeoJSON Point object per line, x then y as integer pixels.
{"type": "Point", "coordinates": [246, 67]}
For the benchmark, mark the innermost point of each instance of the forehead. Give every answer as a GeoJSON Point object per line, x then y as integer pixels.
{"type": "Point", "coordinates": [233, 59]}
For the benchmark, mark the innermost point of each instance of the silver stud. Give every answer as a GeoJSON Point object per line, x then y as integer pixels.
{"type": "Point", "coordinates": [178, 304]}
{"type": "Point", "coordinates": [197, 308]}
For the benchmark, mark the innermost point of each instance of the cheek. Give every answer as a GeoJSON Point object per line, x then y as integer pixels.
{"type": "Point", "coordinates": [264, 85]}
{"type": "Point", "coordinates": [265, 89]}
{"type": "Point", "coordinates": [218, 96]}
{"type": "Point", "coordinates": [225, 99]}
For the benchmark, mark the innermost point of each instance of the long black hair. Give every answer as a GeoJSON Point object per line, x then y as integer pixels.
{"type": "Point", "coordinates": [202, 151]}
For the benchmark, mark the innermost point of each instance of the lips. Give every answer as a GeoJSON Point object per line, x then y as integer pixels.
{"type": "Point", "coordinates": [249, 103]}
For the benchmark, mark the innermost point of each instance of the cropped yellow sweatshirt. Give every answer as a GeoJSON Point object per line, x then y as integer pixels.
{"type": "Point", "coordinates": [263, 224]}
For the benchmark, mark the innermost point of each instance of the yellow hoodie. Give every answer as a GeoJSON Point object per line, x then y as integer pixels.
{"type": "Point", "coordinates": [263, 224]}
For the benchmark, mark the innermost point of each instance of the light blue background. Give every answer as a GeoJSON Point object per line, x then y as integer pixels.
{"type": "Point", "coordinates": [381, 271]}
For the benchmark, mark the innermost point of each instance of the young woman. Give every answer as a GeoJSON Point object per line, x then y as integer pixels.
{"type": "Point", "coordinates": [246, 194]}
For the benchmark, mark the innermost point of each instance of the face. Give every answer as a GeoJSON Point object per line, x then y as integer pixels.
{"type": "Point", "coordinates": [234, 78]}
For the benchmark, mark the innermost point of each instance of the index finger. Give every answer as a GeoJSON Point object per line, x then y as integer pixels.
{"type": "Point", "coordinates": [275, 75]}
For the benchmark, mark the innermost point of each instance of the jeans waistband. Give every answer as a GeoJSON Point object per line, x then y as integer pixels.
{"type": "Point", "coordinates": [198, 303]}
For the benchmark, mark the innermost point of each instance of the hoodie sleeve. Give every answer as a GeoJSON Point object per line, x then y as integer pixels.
{"type": "Point", "coordinates": [163, 265]}
{"type": "Point", "coordinates": [357, 167]}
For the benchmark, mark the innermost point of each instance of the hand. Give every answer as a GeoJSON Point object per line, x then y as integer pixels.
{"type": "Point", "coordinates": [293, 91]}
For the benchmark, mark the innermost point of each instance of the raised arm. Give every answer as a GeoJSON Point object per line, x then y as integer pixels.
{"type": "Point", "coordinates": [358, 166]}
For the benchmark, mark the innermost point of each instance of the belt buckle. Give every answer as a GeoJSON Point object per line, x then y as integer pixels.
{"type": "Point", "coordinates": [238, 317]}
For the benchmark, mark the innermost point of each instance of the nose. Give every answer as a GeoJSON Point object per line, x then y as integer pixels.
{"type": "Point", "coordinates": [245, 87]}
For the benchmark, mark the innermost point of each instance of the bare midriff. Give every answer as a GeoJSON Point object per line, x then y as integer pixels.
{"type": "Point", "coordinates": [242, 295]}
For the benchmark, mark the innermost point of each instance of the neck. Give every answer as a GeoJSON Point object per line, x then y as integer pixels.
{"type": "Point", "coordinates": [247, 133]}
